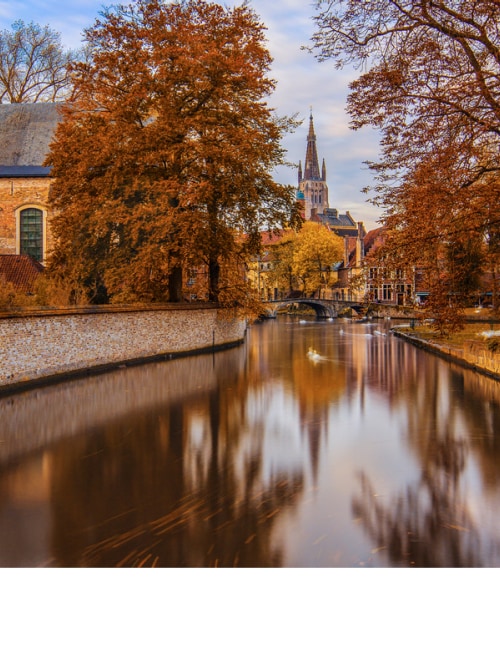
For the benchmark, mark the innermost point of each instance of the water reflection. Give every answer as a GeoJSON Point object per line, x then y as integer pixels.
{"type": "Point", "coordinates": [378, 454]}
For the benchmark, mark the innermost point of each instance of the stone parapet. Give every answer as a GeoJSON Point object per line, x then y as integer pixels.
{"type": "Point", "coordinates": [49, 344]}
{"type": "Point", "coordinates": [472, 355]}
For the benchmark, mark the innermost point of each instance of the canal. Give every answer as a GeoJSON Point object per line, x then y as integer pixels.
{"type": "Point", "coordinates": [369, 453]}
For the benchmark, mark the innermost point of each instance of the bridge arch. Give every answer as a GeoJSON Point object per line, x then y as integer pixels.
{"type": "Point", "coordinates": [323, 309]}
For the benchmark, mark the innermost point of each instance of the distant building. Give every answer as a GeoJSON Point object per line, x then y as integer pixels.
{"type": "Point", "coordinates": [26, 131]}
{"type": "Point", "coordinates": [312, 182]}
{"type": "Point", "coordinates": [313, 194]}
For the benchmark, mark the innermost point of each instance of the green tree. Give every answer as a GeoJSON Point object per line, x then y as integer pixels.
{"type": "Point", "coordinates": [164, 157]}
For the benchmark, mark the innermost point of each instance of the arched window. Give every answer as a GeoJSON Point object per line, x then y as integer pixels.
{"type": "Point", "coordinates": [31, 233]}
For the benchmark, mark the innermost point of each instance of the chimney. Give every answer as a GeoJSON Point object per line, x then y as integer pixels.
{"type": "Point", "coordinates": [360, 246]}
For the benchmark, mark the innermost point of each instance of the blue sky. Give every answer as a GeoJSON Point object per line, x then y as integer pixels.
{"type": "Point", "coordinates": [302, 83]}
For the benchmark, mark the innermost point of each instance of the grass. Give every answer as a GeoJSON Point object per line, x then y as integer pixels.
{"type": "Point", "coordinates": [471, 333]}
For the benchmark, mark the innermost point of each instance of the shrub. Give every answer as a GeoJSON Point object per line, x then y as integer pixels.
{"type": "Point", "coordinates": [11, 297]}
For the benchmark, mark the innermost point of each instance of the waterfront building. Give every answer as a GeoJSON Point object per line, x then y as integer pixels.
{"type": "Point", "coordinates": [26, 131]}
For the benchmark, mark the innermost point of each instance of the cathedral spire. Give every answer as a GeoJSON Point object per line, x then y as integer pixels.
{"type": "Point", "coordinates": [311, 170]}
{"type": "Point", "coordinates": [312, 182]}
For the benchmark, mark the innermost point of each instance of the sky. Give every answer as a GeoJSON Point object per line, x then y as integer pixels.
{"type": "Point", "coordinates": [303, 83]}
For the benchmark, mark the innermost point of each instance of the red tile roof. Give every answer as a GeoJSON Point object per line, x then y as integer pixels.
{"type": "Point", "coordinates": [373, 239]}
{"type": "Point", "coordinates": [270, 238]}
{"type": "Point", "coordinates": [20, 270]}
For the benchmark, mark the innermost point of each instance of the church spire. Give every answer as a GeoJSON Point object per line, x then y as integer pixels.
{"type": "Point", "coordinates": [311, 170]}
{"type": "Point", "coordinates": [313, 188]}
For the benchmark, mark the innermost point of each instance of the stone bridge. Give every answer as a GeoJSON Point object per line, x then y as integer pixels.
{"type": "Point", "coordinates": [324, 308]}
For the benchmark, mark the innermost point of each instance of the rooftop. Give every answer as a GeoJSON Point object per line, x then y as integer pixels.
{"type": "Point", "coordinates": [26, 131]}
{"type": "Point", "coordinates": [20, 270]}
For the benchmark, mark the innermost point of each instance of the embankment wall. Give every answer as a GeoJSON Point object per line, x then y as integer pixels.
{"type": "Point", "coordinates": [472, 356]}
{"type": "Point", "coordinates": [38, 346]}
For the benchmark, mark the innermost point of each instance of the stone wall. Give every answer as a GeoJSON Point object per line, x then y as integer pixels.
{"type": "Point", "coordinates": [477, 356]}
{"type": "Point", "coordinates": [40, 345]}
{"type": "Point", "coordinates": [16, 193]}
{"type": "Point", "coordinates": [472, 355]}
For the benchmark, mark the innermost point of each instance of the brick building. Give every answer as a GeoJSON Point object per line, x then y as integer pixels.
{"type": "Point", "coordinates": [26, 131]}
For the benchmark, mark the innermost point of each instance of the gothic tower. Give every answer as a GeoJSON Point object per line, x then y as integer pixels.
{"type": "Point", "coordinates": [312, 182]}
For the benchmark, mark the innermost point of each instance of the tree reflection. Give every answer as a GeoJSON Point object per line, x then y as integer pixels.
{"type": "Point", "coordinates": [141, 492]}
{"type": "Point", "coordinates": [428, 524]}
{"type": "Point", "coordinates": [246, 458]}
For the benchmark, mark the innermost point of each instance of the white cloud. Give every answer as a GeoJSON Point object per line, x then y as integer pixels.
{"type": "Point", "coordinates": [304, 82]}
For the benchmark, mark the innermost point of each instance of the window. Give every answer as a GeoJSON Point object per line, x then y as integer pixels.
{"type": "Point", "coordinates": [31, 233]}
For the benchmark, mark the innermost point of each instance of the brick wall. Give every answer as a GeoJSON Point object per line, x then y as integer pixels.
{"type": "Point", "coordinates": [35, 346]}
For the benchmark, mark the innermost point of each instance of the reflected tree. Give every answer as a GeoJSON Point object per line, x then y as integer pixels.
{"type": "Point", "coordinates": [428, 525]}
{"type": "Point", "coordinates": [139, 492]}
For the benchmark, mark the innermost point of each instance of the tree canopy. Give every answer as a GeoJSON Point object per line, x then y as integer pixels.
{"type": "Point", "coordinates": [164, 156]}
{"type": "Point", "coordinates": [431, 85]}
{"type": "Point", "coordinates": [33, 64]}
{"type": "Point", "coordinates": [316, 249]}
{"type": "Point", "coordinates": [304, 259]}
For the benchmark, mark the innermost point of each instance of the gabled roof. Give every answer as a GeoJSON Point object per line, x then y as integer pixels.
{"type": "Point", "coordinates": [26, 131]}
{"type": "Point", "coordinates": [271, 238]}
{"type": "Point", "coordinates": [373, 239]}
{"type": "Point", "coordinates": [20, 270]}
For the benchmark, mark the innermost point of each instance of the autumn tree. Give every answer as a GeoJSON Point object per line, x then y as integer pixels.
{"type": "Point", "coordinates": [315, 250]}
{"type": "Point", "coordinates": [281, 255]}
{"type": "Point", "coordinates": [431, 86]}
{"type": "Point", "coordinates": [33, 64]}
{"type": "Point", "coordinates": [163, 159]}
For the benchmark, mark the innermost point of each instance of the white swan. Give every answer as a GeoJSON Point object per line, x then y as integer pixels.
{"type": "Point", "coordinates": [313, 355]}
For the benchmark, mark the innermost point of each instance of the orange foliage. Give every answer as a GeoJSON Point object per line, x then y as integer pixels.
{"type": "Point", "coordinates": [165, 152]}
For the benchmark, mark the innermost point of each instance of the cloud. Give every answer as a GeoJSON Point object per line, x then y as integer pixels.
{"type": "Point", "coordinates": [302, 82]}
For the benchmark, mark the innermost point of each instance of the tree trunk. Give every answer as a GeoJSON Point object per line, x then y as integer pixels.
{"type": "Point", "coordinates": [213, 280]}
{"type": "Point", "coordinates": [175, 285]}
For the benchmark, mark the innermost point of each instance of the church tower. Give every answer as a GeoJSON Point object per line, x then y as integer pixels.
{"type": "Point", "coordinates": [312, 182]}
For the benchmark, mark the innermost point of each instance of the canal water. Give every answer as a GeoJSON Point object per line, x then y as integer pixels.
{"type": "Point", "coordinates": [369, 453]}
